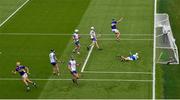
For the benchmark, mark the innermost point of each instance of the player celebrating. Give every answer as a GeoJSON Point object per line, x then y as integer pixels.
{"type": "Point", "coordinates": [24, 71]}
{"type": "Point", "coordinates": [76, 38]}
{"type": "Point", "coordinates": [114, 28]}
{"type": "Point", "coordinates": [130, 58]}
{"type": "Point", "coordinates": [72, 68]}
{"type": "Point", "coordinates": [53, 61]}
{"type": "Point", "coordinates": [93, 37]}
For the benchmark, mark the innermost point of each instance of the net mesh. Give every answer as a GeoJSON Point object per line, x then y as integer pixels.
{"type": "Point", "coordinates": [166, 49]}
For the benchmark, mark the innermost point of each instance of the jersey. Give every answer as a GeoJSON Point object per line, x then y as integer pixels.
{"type": "Point", "coordinates": [113, 25]}
{"type": "Point", "coordinates": [52, 57]}
{"type": "Point", "coordinates": [21, 70]}
{"type": "Point", "coordinates": [76, 37]}
{"type": "Point", "coordinates": [72, 64]}
{"type": "Point", "coordinates": [134, 57]}
{"type": "Point", "coordinates": [92, 34]}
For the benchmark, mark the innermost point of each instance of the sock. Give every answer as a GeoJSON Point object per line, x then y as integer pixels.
{"type": "Point", "coordinates": [27, 87]}
{"type": "Point", "coordinates": [34, 84]}
{"type": "Point", "coordinates": [73, 80]}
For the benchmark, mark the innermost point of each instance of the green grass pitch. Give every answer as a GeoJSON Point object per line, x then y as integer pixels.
{"type": "Point", "coordinates": [104, 76]}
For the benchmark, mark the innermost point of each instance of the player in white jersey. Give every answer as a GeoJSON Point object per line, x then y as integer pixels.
{"type": "Point", "coordinates": [54, 62]}
{"type": "Point", "coordinates": [93, 37]}
{"type": "Point", "coordinates": [130, 58]}
{"type": "Point", "coordinates": [72, 68]}
{"type": "Point", "coordinates": [76, 38]}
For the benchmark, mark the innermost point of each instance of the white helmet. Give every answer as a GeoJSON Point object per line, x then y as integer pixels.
{"type": "Point", "coordinates": [18, 63]}
{"type": "Point", "coordinates": [136, 54]}
{"type": "Point", "coordinates": [76, 30]}
{"type": "Point", "coordinates": [92, 28]}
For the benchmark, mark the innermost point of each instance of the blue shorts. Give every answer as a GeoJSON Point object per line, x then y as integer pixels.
{"type": "Point", "coordinates": [94, 39]}
{"type": "Point", "coordinates": [53, 63]}
{"type": "Point", "coordinates": [132, 57]}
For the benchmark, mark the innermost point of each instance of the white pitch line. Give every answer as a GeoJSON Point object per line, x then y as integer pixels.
{"type": "Point", "coordinates": [154, 54]}
{"type": "Point", "coordinates": [87, 58]}
{"type": "Point", "coordinates": [99, 72]}
{"type": "Point", "coordinates": [104, 80]}
{"type": "Point", "coordinates": [39, 34]}
{"type": "Point", "coordinates": [124, 39]}
{"type": "Point", "coordinates": [14, 13]}
{"type": "Point", "coordinates": [67, 34]}
{"type": "Point", "coordinates": [160, 56]}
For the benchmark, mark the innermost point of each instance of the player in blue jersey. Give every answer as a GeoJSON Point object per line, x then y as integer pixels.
{"type": "Point", "coordinates": [114, 28]}
{"type": "Point", "coordinates": [130, 58]}
{"type": "Point", "coordinates": [24, 71]}
{"type": "Point", "coordinates": [76, 38]}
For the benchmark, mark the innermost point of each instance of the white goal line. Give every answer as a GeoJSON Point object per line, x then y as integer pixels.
{"type": "Point", "coordinates": [104, 80]}
{"type": "Point", "coordinates": [100, 72]}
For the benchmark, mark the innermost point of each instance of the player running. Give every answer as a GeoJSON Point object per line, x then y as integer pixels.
{"type": "Point", "coordinates": [76, 38]}
{"type": "Point", "coordinates": [54, 62]}
{"type": "Point", "coordinates": [72, 68]}
{"type": "Point", "coordinates": [24, 71]}
{"type": "Point", "coordinates": [130, 58]}
{"type": "Point", "coordinates": [114, 28]}
{"type": "Point", "coordinates": [93, 37]}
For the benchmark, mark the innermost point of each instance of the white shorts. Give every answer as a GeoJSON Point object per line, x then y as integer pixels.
{"type": "Point", "coordinates": [115, 30]}
{"type": "Point", "coordinates": [25, 75]}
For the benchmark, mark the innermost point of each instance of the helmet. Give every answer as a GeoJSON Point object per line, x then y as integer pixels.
{"type": "Point", "coordinates": [92, 28]}
{"type": "Point", "coordinates": [52, 50]}
{"type": "Point", "coordinates": [136, 54]}
{"type": "Point", "coordinates": [18, 63]}
{"type": "Point", "coordinates": [76, 30]}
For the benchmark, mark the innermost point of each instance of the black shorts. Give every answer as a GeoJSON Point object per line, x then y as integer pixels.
{"type": "Point", "coordinates": [73, 72]}
{"type": "Point", "coordinates": [77, 43]}
{"type": "Point", "coordinates": [53, 63]}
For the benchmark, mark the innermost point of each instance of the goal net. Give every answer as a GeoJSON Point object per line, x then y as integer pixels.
{"type": "Point", "coordinates": [166, 49]}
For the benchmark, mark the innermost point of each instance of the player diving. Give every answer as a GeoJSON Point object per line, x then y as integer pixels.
{"type": "Point", "coordinates": [132, 57]}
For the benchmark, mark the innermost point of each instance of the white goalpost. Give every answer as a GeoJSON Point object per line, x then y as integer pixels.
{"type": "Point", "coordinates": [166, 49]}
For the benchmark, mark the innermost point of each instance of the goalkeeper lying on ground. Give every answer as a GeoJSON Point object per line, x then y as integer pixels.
{"type": "Point", "coordinates": [129, 58]}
